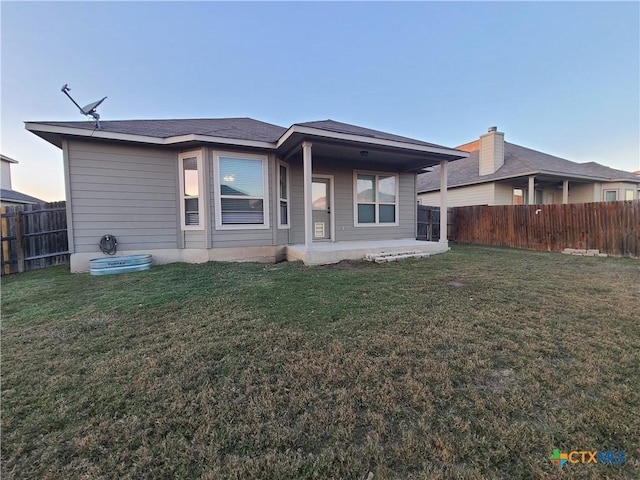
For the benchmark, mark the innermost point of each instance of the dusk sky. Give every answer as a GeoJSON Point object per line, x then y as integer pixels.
{"type": "Point", "coordinates": [563, 78]}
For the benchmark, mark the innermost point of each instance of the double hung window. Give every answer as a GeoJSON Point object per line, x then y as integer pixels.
{"type": "Point", "coordinates": [376, 199]}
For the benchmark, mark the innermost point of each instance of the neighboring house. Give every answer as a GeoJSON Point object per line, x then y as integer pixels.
{"type": "Point", "coordinates": [8, 196]}
{"type": "Point", "coordinates": [501, 173]}
{"type": "Point", "coordinates": [240, 189]}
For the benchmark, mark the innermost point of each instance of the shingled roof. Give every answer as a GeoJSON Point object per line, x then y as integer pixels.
{"type": "Point", "coordinates": [233, 128]}
{"type": "Point", "coordinates": [339, 127]}
{"type": "Point", "coordinates": [17, 197]}
{"type": "Point", "coordinates": [518, 162]}
{"type": "Point", "coordinates": [242, 129]}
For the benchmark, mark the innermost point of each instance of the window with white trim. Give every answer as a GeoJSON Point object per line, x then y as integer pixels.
{"type": "Point", "coordinates": [628, 194]}
{"type": "Point", "coordinates": [375, 198]}
{"type": "Point", "coordinates": [283, 195]}
{"type": "Point", "coordinates": [610, 195]}
{"type": "Point", "coordinates": [190, 190]}
{"type": "Point", "coordinates": [241, 192]}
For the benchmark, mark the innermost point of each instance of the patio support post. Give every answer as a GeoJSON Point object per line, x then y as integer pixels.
{"type": "Point", "coordinates": [565, 192]}
{"type": "Point", "coordinates": [532, 192]}
{"type": "Point", "coordinates": [443, 201]}
{"type": "Point", "coordinates": [308, 210]}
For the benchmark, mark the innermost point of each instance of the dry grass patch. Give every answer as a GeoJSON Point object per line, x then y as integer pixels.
{"type": "Point", "coordinates": [281, 371]}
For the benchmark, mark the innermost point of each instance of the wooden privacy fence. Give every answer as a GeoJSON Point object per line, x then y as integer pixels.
{"type": "Point", "coordinates": [33, 236]}
{"type": "Point", "coordinates": [429, 223]}
{"type": "Point", "coordinates": [611, 227]}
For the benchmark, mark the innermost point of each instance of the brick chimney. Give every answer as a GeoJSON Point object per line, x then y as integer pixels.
{"type": "Point", "coordinates": [491, 151]}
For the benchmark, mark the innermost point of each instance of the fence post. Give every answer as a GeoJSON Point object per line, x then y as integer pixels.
{"type": "Point", "coordinates": [19, 243]}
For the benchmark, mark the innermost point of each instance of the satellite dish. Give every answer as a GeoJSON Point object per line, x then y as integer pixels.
{"type": "Point", "coordinates": [91, 108]}
{"type": "Point", "coordinates": [88, 110]}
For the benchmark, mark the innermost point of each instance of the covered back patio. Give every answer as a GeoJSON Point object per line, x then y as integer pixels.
{"type": "Point", "coordinates": [354, 192]}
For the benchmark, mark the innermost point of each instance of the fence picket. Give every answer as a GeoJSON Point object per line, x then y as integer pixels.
{"type": "Point", "coordinates": [33, 236]}
{"type": "Point", "coordinates": [611, 227]}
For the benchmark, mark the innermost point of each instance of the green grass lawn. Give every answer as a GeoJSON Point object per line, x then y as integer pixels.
{"type": "Point", "coordinates": [473, 364]}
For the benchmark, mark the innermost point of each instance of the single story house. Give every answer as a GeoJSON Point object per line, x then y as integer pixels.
{"type": "Point", "coordinates": [501, 173]}
{"type": "Point", "coordinates": [8, 196]}
{"type": "Point", "coordinates": [239, 189]}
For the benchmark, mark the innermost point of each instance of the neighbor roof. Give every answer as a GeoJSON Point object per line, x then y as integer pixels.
{"type": "Point", "coordinates": [518, 162]}
{"type": "Point", "coordinates": [17, 197]}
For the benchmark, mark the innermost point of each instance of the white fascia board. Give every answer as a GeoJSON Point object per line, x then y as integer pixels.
{"type": "Point", "coordinates": [83, 132]}
{"type": "Point", "coordinates": [285, 136]}
{"type": "Point", "coordinates": [370, 140]}
{"type": "Point", "coordinates": [127, 137]}
{"type": "Point", "coordinates": [7, 159]}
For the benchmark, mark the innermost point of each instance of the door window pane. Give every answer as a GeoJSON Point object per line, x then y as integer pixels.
{"type": "Point", "coordinates": [319, 195]}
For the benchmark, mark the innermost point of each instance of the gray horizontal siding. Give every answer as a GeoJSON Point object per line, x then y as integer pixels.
{"type": "Point", "coordinates": [143, 213]}
{"type": "Point", "coordinates": [126, 191]}
{"type": "Point", "coordinates": [136, 195]}
{"type": "Point", "coordinates": [109, 203]}
{"type": "Point", "coordinates": [127, 242]}
{"type": "Point", "coordinates": [116, 151]}
{"type": "Point", "coordinates": [282, 236]}
{"type": "Point", "coordinates": [124, 214]}
{"type": "Point", "coordinates": [132, 191]}
{"type": "Point", "coordinates": [195, 239]}
{"type": "Point", "coordinates": [137, 174]}
{"type": "Point", "coordinates": [114, 181]}
{"type": "Point", "coordinates": [123, 231]}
